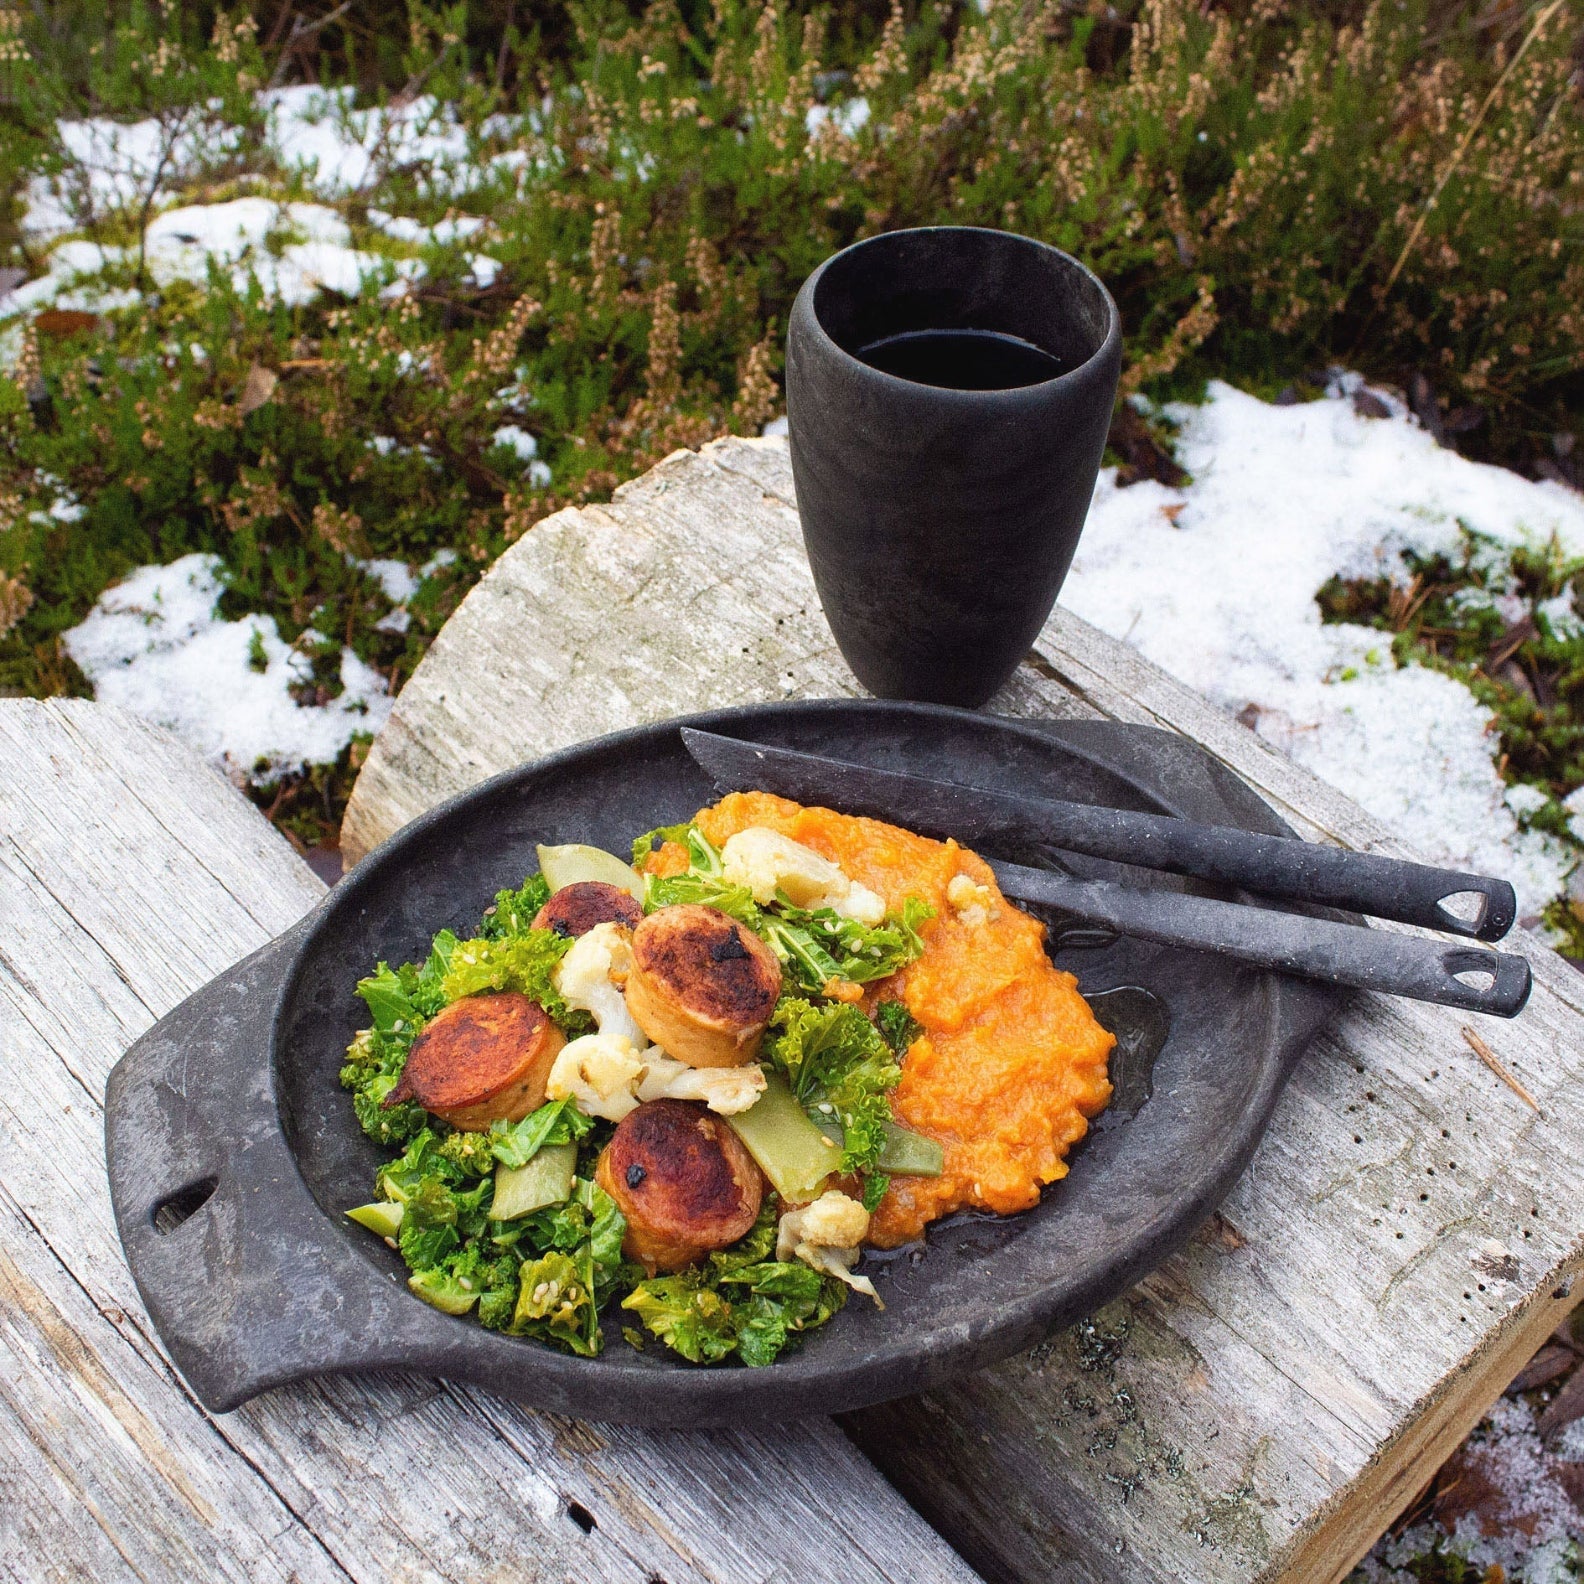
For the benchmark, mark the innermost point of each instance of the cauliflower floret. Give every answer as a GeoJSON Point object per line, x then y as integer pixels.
{"type": "Point", "coordinates": [974, 903]}
{"type": "Point", "coordinates": [590, 977]}
{"type": "Point", "coordinates": [606, 1077]}
{"type": "Point", "coordinates": [766, 861]}
{"type": "Point", "coordinates": [725, 1090]}
{"type": "Point", "coordinates": [599, 1073]}
{"type": "Point", "coordinates": [834, 1220]}
{"type": "Point", "coordinates": [826, 1235]}
{"type": "Point", "coordinates": [862, 904]}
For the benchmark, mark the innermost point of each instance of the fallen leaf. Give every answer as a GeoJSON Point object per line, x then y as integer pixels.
{"type": "Point", "coordinates": [1468, 1487]}
{"type": "Point", "coordinates": [1143, 456]}
{"type": "Point", "coordinates": [1570, 1476]}
{"type": "Point", "coordinates": [1564, 1408]}
{"type": "Point", "coordinates": [64, 321]}
{"type": "Point", "coordinates": [1551, 1361]}
{"type": "Point", "coordinates": [257, 388]}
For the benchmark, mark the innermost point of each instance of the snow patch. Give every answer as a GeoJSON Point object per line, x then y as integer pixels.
{"type": "Point", "coordinates": [155, 645]}
{"type": "Point", "coordinates": [181, 245]}
{"type": "Point", "coordinates": [516, 440]}
{"type": "Point", "coordinates": [1532, 1522]}
{"type": "Point", "coordinates": [111, 165]}
{"type": "Point", "coordinates": [849, 118]}
{"type": "Point", "coordinates": [337, 149]}
{"type": "Point", "coordinates": [1216, 583]}
{"type": "Point", "coordinates": [69, 282]}
{"type": "Point", "coordinates": [443, 233]}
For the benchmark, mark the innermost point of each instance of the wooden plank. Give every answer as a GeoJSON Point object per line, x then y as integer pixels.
{"type": "Point", "coordinates": [130, 875]}
{"type": "Point", "coordinates": [1262, 1406]}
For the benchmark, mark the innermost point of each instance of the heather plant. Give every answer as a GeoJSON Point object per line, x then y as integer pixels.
{"type": "Point", "coordinates": [1267, 188]}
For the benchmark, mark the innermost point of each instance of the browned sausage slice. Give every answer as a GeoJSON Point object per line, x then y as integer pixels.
{"type": "Point", "coordinates": [575, 909]}
{"type": "Point", "coordinates": [683, 1180]}
{"type": "Point", "coordinates": [702, 986]}
{"type": "Point", "coordinates": [481, 1060]}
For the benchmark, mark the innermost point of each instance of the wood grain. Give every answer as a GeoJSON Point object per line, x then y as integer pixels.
{"type": "Point", "coordinates": [1261, 1407]}
{"type": "Point", "coordinates": [130, 875]}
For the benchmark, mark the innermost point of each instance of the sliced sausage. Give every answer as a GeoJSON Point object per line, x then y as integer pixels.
{"type": "Point", "coordinates": [577, 908]}
{"type": "Point", "coordinates": [683, 1180]}
{"type": "Point", "coordinates": [702, 986]}
{"type": "Point", "coordinates": [481, 1060]}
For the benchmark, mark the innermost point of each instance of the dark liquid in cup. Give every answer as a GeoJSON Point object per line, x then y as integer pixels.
{"type": "Point", "coordinates": [970, 360]}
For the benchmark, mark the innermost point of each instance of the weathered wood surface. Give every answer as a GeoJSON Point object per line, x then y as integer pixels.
{"type": "Point", "coordinates": [129, 876]}
{"type": "Point", "coordinates": [1262, 1406]}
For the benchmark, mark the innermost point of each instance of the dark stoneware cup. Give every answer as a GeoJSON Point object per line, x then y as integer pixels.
{"type": "Point", "coordinates": [940, 522]}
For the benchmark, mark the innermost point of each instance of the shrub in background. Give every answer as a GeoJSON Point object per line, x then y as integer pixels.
{"type": "Point", "coordinates": [1267, 187]}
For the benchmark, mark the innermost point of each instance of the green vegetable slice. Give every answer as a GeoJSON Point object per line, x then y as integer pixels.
{"type": "Point", "coordinates": [446, 1293]}
{"type": "Point", "coordinates": [572, 864]}
{"type": "Point", "coordinates": [790, 1150]}
{"type": "Point", "coordinates": [383, 1217]}
{"type": "Point", "coordinates": [907, 1154]}
{"type": "Point", "coordinates": [545, 1180]}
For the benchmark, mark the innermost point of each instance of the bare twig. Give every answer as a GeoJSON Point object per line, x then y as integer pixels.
{"type": "Point", "coordinates": [167, 154]}
{"type": "Point", "coordinates": [1467, 139]}
{"type": "Point", "coordinates": [282, 17]}
{"type": "Point", "coordinates": [399, 101]}
{"type": "Point", "coordinates": [409, 90]}
{"type": "Point", "coordinates": [1488, 1056]}
{"type": "Point", "coordinates": [301, 30]}
{"type": "Point", "coordinates": [500, 58]}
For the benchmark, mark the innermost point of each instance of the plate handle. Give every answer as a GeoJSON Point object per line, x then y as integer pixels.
{"type": "Point", "coordinates": [224, 1240]}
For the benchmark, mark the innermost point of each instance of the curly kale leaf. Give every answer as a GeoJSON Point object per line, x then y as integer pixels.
{"type": "Point", "coordinates": [394, 1126]}
{"type": "Point", "coordinates": [691, 1318]}
{"type": "Point", "coordinates": [429, 1224]}
{"type": "Point", "coordinates": [513, 912]}
{"type": "Point", "coordinates": [708, 890]}
{"type": "Point", "coordinates": [556, 1302]}
{"type": "Point", "coordinates": [839, 1067]}
{"type": "Point", "coordinates": [742, 1302]}
{"type": "Point", "coordinates": [400, 1001]}
{"type": "Point", "coordinates": [898, 1027]}
{"type": "Point", "coordinates": [523, 962]}
{"type": "Point", "coordinates": [468, 1276]}
{"type": "Point", "coordinates": [821, 941]}
{"type": "Point", "coordinates": [471, 1153]}
{"type": "Point", "coordinates": [555, 1122]}
{"type": "Point", "coordinates": [374, 1061]}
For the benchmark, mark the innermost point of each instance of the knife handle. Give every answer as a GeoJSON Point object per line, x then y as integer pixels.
{"type": "Point", "coordinates": [1445, 973]}
{"type": "Point", "coordinates": [1476, 906]}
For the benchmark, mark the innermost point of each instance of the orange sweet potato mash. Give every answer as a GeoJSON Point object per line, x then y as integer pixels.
{"type": "Point", "coordinates": [1011, 1065]}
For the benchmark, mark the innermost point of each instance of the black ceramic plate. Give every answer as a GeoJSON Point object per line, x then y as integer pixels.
{"type": "Point", "coordinates": [227, 1128]}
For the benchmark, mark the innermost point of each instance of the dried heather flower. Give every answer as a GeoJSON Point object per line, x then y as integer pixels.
{"type": "Point", "coordinates": [16, 599]}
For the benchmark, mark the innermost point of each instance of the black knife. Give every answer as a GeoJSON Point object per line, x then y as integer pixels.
{"type": "Point", "coordinates": [1273, 866]}
{"type": "Point", "coordinates": [1444, 972]}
